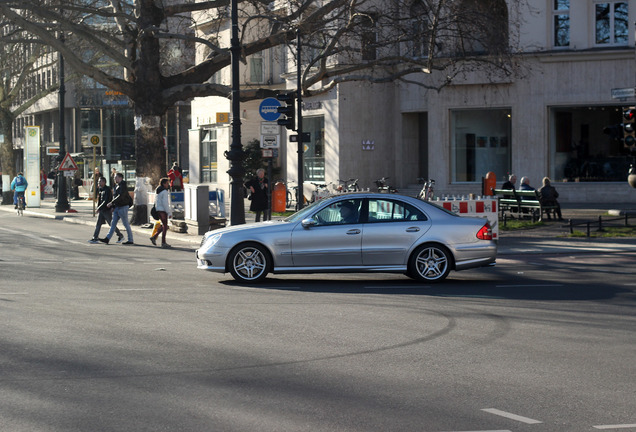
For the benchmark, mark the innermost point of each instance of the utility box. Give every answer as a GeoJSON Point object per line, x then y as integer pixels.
{"type": "Point", "coordinates": [196, 203]}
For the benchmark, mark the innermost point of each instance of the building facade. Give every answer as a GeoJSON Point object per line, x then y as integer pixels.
{"type": "Point", "coordinates": [547, 122]}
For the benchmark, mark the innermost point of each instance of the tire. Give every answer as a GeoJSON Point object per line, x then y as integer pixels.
{"type": "Point", "coordinates": [249, 262]}
{"type": "Point", "coordinates": [430, 263]}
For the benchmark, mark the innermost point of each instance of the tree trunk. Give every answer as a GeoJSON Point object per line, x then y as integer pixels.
{"type": "Point", "coordinates": [7, 155]}
{"type": "Point", "coordinates": [151, 161]}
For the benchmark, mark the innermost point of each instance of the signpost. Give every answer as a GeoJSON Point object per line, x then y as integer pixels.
{"type": "Point", "coordinates": [95, 140]}
{"type": "Point", "coordinates": [623, 93]}
{"type": "Point", "coordinates": [268, 109]}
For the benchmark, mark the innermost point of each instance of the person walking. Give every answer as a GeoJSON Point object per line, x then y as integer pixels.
{"type": "Point", "coordinates": [258, 188]}
{"type": "Point", "coordinates": [176, 178]}
{"type": "Point", "coordinates": [104, 214]}
{"type": "Point", "coordinates": [162, 204]}
{"type": "Point", "coordinates": [19, 184]}
{"type": "Point", "coordinates": [121, 203]}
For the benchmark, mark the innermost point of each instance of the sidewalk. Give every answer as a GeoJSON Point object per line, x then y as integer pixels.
{"type": "Point", "coordinates": [549, 238]}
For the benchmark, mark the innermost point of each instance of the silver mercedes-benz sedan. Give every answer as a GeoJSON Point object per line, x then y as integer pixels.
{"type": "Point", "coordinates": [358, 232]}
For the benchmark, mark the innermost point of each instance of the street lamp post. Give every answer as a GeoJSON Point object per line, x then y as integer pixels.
{"type": "Point", "coordinates": [61, 205]}
{"type": "Point", "coordinates": [236, 153]}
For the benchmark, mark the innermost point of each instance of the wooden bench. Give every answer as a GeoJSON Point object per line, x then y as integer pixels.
{"type": "Point", "coordinates": [522, 203]}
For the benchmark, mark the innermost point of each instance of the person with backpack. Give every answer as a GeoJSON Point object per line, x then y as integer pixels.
{"type": "Point", "coordinates": [121, 203]}
{"type": "Point", "coordinates": [19, 185]}
{"type": "Point", "coordinates": [176, 178]}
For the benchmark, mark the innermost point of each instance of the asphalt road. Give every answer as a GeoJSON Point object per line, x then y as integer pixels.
{"type": "Point", "coordinates": [135, 338]}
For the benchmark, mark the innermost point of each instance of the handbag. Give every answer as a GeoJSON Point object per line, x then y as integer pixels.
{"type": "Point", "coordinates": [154, 213]}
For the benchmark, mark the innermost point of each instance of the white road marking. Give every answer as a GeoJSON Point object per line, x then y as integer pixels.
{"type": "Point", "coordinates": [528, 286]}
{"type": "Point", "coordinates": [135, 289]}
{"type": "Point", "coordinates": [32, 236]}
{"type": "Point", "coordinates": [64, 239]}
{"type": "Point", "coordinates": [16, 293]}
{"type": "Point", "coordinates": [620, 426]}
{"type": "Point", "coordinates": [511, 416]}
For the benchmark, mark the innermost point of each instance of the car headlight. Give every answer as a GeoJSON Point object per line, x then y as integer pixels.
{"type": "Point", "coordinates": [208, 242]}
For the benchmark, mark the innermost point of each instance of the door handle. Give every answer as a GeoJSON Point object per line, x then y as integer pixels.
{"type": "Point", "coordinates": [412, 229]}
{"type": "Point", "coordinates": [353, 232]}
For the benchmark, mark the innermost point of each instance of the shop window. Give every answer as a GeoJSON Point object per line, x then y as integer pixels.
{"type": "Point", "coordinates": [580, 151]}
{"type": "Point", "coordinates": [209, 163]}
{"type": "Point", "coordinates": [611, 23]}
{"type": "Point", "coordinates": [314, 156]}
{"type": "Point", "coordinates": [561, 22]}
{"type": "Point", "coordinates": [480, 143]}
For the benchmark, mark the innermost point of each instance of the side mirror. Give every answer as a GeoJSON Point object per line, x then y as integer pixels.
{"type": "Point", "coordinates": [309, 222]}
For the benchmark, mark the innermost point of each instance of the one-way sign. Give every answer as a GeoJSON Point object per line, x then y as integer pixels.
{"type": "Point", "coordinates": [306, 137]}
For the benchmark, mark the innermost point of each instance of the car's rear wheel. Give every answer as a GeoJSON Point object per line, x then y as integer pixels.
{"type": "Point", "coordinates": [430, 263]}
{"type": "Point", "coordinates": [249, 262]}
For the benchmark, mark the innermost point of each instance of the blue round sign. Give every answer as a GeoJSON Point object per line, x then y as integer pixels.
{"type": "Point", "coordinates": [269, 109]}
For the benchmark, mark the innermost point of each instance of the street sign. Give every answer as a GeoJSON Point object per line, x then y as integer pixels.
{"type": "Point", "coordinates": [270, 128]}
{"type": "Point", "coordinates": [268, 109]}
{"type": "Point", "coordinates": [623, 93]}
{"type": "Point", "coordinates": [95, 140]}
{"type": "Point", "coordinates": [270, 141]}
{"type": "Point", "coordinates": [306, 137]}
{"type": "Point", "coordinates": [52, 151]}
{"type": "Point", "coordinates": [223, 117]}
{"type": "Point", "coordinates": [68, 164]}
{"type": "Point", "coordinates": [267, 153]}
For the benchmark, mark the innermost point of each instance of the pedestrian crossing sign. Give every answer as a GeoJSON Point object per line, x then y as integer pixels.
{"type": "Point", "coordinates": [68, 164]}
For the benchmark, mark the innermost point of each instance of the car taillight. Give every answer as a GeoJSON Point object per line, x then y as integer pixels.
{"type": "Point", "coordinates": [485, 233]}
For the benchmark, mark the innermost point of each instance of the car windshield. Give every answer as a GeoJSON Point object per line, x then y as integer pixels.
{"type": "Point", "coordinates": [303, 213]}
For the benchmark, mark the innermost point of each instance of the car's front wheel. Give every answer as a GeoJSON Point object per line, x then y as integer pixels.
{"type": "Point", "coordinates": [430, 263]}
{"type": "Point", "coordinates": [249, 262]}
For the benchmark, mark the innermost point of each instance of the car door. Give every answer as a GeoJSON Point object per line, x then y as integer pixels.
{"type": "Point", "coordinates": [392, 228]}
{"type": "Point", "coordinates": [334, 241]}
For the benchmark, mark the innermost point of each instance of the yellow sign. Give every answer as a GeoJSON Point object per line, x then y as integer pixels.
{"type": "Point", "coordinates": [223, 117]}
{"type": "Point", "coordinates": [95, 139]}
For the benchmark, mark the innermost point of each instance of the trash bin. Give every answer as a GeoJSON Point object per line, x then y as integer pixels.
{"type": "Point", "coordinates": [279, 198]}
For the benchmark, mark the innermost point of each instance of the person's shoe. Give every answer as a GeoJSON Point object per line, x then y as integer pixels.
{"type": "Point", "coordinates": [165, 245]}
{"type": "Point", "coordinates": [104, 240]}
{"type": "Point", "coordinates": [153, 239]}
{"type": "Point", "coordinates": [120, 239]}
{"type": "Point", "coordinates": [128, 242]}
{"type": "Point", "coordinates": [15, 207]}
{"type": "Point", "coordinates": [94, 240]}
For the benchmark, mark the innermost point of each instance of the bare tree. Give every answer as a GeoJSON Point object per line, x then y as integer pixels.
{"type": "Point", "coordinates": [23, 64]}
{"type": "Point", "coordinates": [426, 42]}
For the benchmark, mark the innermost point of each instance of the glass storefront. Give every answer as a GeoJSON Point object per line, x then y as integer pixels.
{"type": "Point", "coordinates": [314, 156]}
{"type": "Point", "coordinates": [581, 151]}
{"type": "Point", "coordinates": [480, 142]}
{"type": "Point", "coordinates": [209, 161]}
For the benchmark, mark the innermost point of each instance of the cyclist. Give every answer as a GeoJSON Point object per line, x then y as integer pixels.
{"type": "Point", "coordinates": [19, 185]}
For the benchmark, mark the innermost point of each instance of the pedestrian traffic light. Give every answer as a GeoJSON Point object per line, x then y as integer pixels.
{"type": "Point", "coordinates": [629, 127]}
{"type": "Point", "coordinates": [288, 110]}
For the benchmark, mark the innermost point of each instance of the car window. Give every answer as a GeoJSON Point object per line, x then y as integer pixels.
{"type": "Point", "coordinates": [339, 213]}
{"type": "Point", "coordinates": [381, 210]}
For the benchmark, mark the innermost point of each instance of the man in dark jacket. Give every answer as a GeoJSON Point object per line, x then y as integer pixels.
{"type": "Point", "coordinates": [105, 214]}
{"type": "Point", "coordinates": [549, 197]}
{"type": "Point", "coordinates": [121, 204]}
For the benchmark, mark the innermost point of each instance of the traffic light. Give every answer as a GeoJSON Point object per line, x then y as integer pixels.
{"type": "Point", "coordinates": [288, 110]}
{"type": "Point", "coordinates": [629, 127]}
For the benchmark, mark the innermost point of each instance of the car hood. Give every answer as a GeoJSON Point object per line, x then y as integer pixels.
{"type": "Point", "coordinates": [251, 227]}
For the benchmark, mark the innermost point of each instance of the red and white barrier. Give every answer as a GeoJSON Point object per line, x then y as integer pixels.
{"type": "Point", "coordinates": [486, 208]}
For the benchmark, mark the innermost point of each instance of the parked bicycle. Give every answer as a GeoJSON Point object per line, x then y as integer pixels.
{"type": "Point", "coordinates": [292, 196]}
{"type": "Point", "coordinates": [321, 191]}
{"type": "Point", "coordinates": [383, 187]}
{"type": "Point", "coordinates": [350, 185]}
{"type": "Point", "coordinates": [426, 194]}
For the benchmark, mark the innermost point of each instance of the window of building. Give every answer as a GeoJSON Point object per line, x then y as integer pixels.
{"type": "Point", "coordinates": [419, 27]}
{"type": "Point", "coordinates": [480, 142]}
{"type": "Point", "coordinates": [209, 163]}
{"type": "Point", "coordinates": [369, 38]}
{"type": "Point", "coordinates": [561, 22]}
{"type": "Point", "coordinates": [611, 23]}
{"type": "Point", "coordinates": [314, 156]}
{"type": "Point", "coordinates": [580, 151]}
{"type": "Point", "coordinates": [482, 26]}
{"type": "Point", "coordinates": [256, 69]}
